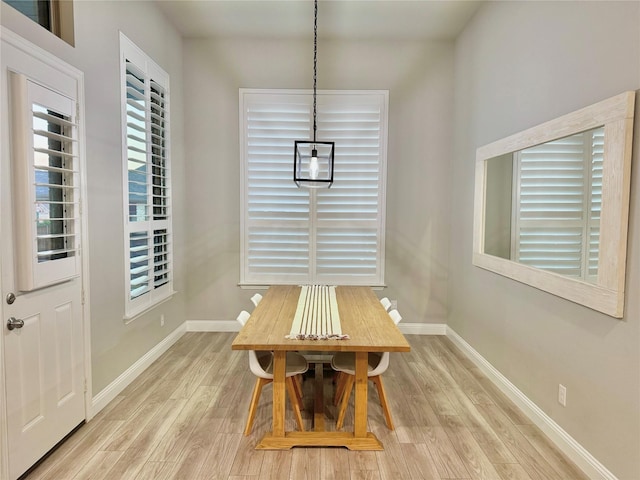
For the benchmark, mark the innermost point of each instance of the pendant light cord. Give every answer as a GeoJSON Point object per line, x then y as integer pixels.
{"type": "Point", "coordinates": [315, 64]}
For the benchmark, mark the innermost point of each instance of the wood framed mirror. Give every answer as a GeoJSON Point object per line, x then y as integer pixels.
{"type": "Point", "coordinates": [551, 205]}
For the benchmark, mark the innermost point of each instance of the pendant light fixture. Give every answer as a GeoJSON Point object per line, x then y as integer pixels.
{"type": "Point", "coordinates": [313, 160]}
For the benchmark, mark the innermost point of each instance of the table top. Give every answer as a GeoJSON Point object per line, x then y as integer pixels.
{"type": "Point", "coordinates": [362, 317]}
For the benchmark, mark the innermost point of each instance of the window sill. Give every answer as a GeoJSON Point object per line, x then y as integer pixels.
{"type": "Point", "coordinates": [130, 317]}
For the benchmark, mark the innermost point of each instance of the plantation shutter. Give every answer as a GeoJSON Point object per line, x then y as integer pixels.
{"type": "Point", "coordinates": [159, 121]}
{"type": "Point", "coordinates": [298, 235]}
{"type": "Point", "coordinates": [276, 210]}
{"type": "Point", "coordinates": [349, 228]}
{"type": "Point", "coordinates": [147, 181]}
{"type": "Point", "coordinates": [46, 174]}
{"type": "Point", "coordinates": [557, 216]}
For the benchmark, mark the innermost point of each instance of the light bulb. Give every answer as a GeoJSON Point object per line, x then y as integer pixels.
{"type": "Point", "coordinates": [313, 165]}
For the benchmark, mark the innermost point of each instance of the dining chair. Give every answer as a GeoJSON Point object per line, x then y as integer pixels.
{"type": "Point", "coordinates": [256, 299]}
{"type": "Point", "coordinates": [395, 316]}
{"type": "Point", "coordinates": [243, 317]}
{"type": "Point", "coordinates": [386, 303]}
{"type": "Point", "coordinates": [261, 365]}
{"type": "Point", "coordinates": [344, 364]}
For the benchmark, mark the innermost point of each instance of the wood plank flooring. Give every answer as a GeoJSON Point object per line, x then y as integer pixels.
{"type": "Point", "coordinates": [183, 418]}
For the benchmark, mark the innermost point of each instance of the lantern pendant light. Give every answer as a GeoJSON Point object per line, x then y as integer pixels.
{"type": "Point", "coordinates": [313, 160]}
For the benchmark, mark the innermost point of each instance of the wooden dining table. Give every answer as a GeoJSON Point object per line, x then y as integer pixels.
{"type": "Point", "coordinates": [369, 328]}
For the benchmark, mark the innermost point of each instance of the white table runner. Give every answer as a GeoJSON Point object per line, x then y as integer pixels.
{"type": "Point", "coordinates": [317, 314]}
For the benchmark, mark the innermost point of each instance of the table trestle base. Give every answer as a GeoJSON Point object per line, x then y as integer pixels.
{"type": "Point", "coordinates": [315, 439]}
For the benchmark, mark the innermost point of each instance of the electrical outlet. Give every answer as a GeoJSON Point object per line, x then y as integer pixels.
{"type": "Point", "coordinates": [162, 320]}
{"type": "Point", "coordinates": [562, 395]}
{"type": "Point", "coordinates": [394, 305]}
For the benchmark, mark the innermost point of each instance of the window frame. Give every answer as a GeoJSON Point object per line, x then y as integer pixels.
{"type": "Point", "coordinates": [314, 221]}
{"type": "Point", "coordinates": [150, 227]}
{"type": "Point", "coordinates": [55, 16]}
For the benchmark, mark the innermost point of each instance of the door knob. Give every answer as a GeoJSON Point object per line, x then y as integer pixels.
{"type": "Point", "coordinates": [14, 323]}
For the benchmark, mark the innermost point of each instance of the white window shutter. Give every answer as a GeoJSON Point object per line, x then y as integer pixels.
{"type": "Point", "coordinates": [297, 235]}
{"type": "Point", "coordinates": [147, 182]}
{"type": "Point", "coordinates": [46, 177]}
{"type": "Point", "coordinates": [277, 212]}
{"type": "Point", "coordinates": [349, 214]}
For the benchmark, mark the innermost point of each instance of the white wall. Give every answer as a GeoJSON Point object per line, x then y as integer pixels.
{"type": "Point", "coordinates": [116, 346]}
{"type": "Point", "coordinates": [419, 77]}
{"type": "Point", "coordinates": [519, 64]}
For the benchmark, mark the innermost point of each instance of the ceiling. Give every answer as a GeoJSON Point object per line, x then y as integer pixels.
{"type": "Point", "coordinates": [340, 19]}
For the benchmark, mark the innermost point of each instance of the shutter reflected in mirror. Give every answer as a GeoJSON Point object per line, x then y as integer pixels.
{"type": "Point", "coordinates": [558, 204]}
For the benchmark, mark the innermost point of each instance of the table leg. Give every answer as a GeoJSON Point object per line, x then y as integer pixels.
{"type": "Point", "coordinates": [318, 403]}
{"type": "Point", "coordinates": [359, 439]}
{"type": "Point", "coordinates": [360, 410]}
{"type": "Point", "coordinates": [279, 388]}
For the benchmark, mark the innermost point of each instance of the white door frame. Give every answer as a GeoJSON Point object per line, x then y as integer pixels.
{"type": "Point", "coordinates": [50, 60]}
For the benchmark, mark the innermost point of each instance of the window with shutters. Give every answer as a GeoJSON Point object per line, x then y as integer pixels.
{"type": "Point", "coordinates": [147, 186]}
{"type": "Point", "coordinates": [299, 235]}
{"type": "Point", "coordinates": [46, 172]}
{"type": "Point", "coordinates": [557, 214]}
{"type": "Point", "coordinates": [55, 16]}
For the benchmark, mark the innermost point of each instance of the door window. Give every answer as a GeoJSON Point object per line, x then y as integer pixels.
{"type": "Point", "coordinates": [45, 165]}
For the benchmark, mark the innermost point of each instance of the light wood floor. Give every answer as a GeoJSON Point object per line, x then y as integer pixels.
{"type": "Point", "coordinates": [183, 419]}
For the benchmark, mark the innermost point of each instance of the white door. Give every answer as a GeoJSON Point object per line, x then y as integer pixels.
{"type": "Point", "coordinates": [43, 346]}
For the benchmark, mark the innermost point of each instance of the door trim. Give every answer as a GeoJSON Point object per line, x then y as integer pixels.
{"type": "Point", "coordinates": [37, 53]}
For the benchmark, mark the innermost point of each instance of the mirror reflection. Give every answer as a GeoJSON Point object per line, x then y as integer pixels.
{"type": "Point", "coordinates": [543, 205]}
{"type": "Point", "coordinates": [551, 204]}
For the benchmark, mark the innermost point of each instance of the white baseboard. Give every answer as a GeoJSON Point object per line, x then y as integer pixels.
{"type": "Point", "coordinates": [423, 328]}
{"type": "Point", "coordinates": [112, 390]}
{"type": "Point", "coordinates": [565, 442]}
